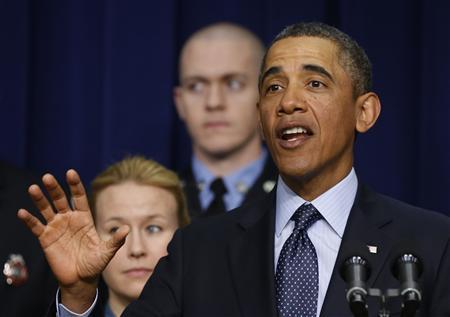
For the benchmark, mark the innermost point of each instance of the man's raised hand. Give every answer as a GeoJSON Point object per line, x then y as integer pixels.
{"type": "Point", "coordinates": [74, 250]}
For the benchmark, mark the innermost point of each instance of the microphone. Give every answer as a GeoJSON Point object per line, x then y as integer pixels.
{"type": "Point", "coordinates": [407, 269]}
{"type": "Point", "coordinates": [355, 271]}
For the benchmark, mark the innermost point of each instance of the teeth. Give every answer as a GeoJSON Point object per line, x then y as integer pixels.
{"type": "Point", "coordinates": [295, 130]}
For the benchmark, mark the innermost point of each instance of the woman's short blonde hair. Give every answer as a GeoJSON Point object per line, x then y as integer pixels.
{"type": "Point", "coordinates": [145, 172]}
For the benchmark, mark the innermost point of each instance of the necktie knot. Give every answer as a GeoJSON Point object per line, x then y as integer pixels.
{"type": "Point", "coordinates": [305, 216]}
{"type": "Point", "coordinates": [218, 187]}
{"type": "Point", "coordinates": [217, 205]}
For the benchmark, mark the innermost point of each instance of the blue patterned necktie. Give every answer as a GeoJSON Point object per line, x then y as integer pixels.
{"type": "Point", "coordinates": [297, 276]}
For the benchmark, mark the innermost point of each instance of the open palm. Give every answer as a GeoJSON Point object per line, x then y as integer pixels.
{"type": "Point", "coordinates": [73, 249]}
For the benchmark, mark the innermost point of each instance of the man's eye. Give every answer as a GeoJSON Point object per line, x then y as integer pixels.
{"type": "Point", "coordinates": [273, 88]}
{"type": "Point", "coordinates": [113, 230]}
{"type": "Point", "coordinates": [315, 84]}
{"type": "Point", "coordinates": [196, 87]}
{"type": "Point", "coordinates": [235, 84]}
{"type": "Point", "coordinates": [153, 229]}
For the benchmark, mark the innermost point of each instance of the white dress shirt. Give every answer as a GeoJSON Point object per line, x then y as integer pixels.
{"type": "Point", "coordinates": [326, 234]}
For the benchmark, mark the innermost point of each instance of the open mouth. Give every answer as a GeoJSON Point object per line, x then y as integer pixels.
{"type": "Point", "coordinates": [294, 133]}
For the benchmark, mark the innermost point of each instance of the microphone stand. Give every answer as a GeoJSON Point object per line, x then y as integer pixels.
{"type": "Point", "coordinates": [384, 298]}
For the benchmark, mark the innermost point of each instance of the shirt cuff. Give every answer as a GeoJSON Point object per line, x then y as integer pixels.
{"type": "Point", "coordinates": [63, 311]}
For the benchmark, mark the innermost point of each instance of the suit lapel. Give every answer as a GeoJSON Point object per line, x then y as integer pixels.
{"type": "Point", "coordinates": [251, 260]}
{"type": "Point", "coordinates": [364, 227]}
{"type": "Point", "coordinates": [264, 183]}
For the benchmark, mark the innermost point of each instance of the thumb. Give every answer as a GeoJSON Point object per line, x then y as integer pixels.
{"type": "Point", "coordinates": [118, 239]}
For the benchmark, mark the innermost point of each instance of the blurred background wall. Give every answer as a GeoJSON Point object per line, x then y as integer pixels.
{"type": "Point", "coordinates": [85, 82]}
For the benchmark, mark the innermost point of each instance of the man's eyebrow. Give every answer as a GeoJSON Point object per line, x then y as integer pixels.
{"type": "Point", "coordinates": [271, 71]}
{"type": "Point", "coordinates": [239, 76]}
{"type": "Point", "coordinates": [317, 69]}
{"type": "Point", "coordinates": [193, 78]}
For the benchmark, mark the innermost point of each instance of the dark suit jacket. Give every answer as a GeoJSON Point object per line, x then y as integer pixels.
{"type": "Point", "coordinates": [224, 266]}
{"type": "Point", "coordinates": [31, 298]}
{"type": "Point", "coordinates": [257, 191]}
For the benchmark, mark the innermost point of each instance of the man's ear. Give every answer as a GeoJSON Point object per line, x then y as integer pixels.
{"type": "Point", "coordinates": [177, 99]}
{"type": "Point", "coordinates": [368, 108]}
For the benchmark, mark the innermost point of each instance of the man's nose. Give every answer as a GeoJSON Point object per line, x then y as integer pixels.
{"type": "Point", "coordinates": [292, 101]}
{"type": "Point", "coordinates": [215, 97]}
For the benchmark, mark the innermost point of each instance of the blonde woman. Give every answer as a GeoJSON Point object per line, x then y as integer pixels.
{"type": "Point", "coordinates": [148, 198]}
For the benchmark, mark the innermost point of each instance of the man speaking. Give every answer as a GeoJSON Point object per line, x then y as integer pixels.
{"type": "Point", "coordinates": [276, 257]}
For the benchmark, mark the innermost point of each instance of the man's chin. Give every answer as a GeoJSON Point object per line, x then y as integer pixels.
{"type": "Point", "coordinates": [218, 152]}
{"type": "Point", "coordinates": [295, 172]}
{"type": "Point", "coordinates": [291, 166]}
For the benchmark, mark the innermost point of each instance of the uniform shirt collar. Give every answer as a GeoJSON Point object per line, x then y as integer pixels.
{"type": "Point", "coordinates": [238, 183]}
{"type": "Point", "coordinates": [243, 178]}
{"type": "Point", "coordinates": [334, 205]}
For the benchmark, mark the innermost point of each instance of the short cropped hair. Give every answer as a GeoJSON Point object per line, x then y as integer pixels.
{"type": "Point", "coordinates": [144, 172]}
{"type": "Point", "coordinates": [352, 57]}
{"type": "Point", "coordinates": [226, 31]}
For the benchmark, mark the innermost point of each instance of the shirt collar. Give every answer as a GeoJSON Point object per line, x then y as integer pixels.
{"type": "Point", "coordinates": [202, 174]}
{"type": "Point", "coordinates": [242, 178]}
{"type": "Point", "coordinates": [334, 205]}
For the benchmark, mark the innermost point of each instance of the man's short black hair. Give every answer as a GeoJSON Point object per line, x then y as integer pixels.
{"type": "Point", "coordinates": [351, 56]}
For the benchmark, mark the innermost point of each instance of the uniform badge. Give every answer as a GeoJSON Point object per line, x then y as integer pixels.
{"type": "Point", "coordinates": [241, 187]}
{"type": "Point", "coordinates": [15, 270]}
{"type": "Point", "coordinates": [268, 186]}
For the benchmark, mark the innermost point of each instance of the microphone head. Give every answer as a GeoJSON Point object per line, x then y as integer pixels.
{"type": "Point", "coordinates": [403, 255]}
{"type": "Point", "coordinates": [407, 259]}
{"type": "Point", "coordinates": [354, 255]}
{"type": "Point", "coordinates": [355, 263]}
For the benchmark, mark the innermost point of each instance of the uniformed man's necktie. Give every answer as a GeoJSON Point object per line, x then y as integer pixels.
{"type": "Point", "coordinates": [217, 205]}
{"type": "Point", "coordinates": [297, 276]}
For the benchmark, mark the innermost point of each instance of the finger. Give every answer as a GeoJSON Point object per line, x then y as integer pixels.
{"type": "Point", "coordinates": [118, 239]}
{"type": "Point", "coordinates": [56, 193]}
{"type": "Point", "coordinates": [33, 223]}
{"type": "Point", "coordinates": [41, 202]}
{"type": "Point", "coordinates": [79, 197]}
